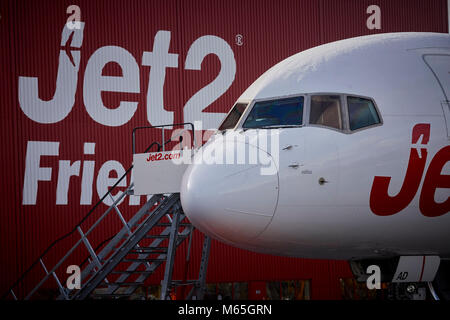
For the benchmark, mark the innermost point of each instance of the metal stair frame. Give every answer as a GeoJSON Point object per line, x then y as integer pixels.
{"type": "Point", "coordinates": [121, 244]}
{"type": "Point", "coordinates": [126, 247]}
{"type": "Point", "coordinates": [121, 234]}
{"type": "Point", "coordinates": [83, 239]}
{"type": "Point", "coordinates": [170, 257]}
{"type": "Point", "coordinates": [155, 262]}
{"type": "Point", "coordinates": [198, 291]}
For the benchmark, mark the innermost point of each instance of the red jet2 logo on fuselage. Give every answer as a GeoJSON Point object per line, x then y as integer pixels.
{"type": "Point", "coordinates": [382, 204]}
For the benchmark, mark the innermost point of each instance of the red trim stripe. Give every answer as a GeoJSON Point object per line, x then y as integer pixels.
{"type": "Point", "coordinates": [423, 268]}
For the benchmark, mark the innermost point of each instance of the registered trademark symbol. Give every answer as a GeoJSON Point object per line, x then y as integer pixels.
{"type": "Point", "coordinates": [239, 39]}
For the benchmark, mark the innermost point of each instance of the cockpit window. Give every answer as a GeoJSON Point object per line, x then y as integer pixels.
{"type": "Point", "coordinates": [361, 112]}
{"type": "Point", "coordinates": [326, 111]}
{"type": "Point", "coordinates": [233, 117]}
{"type": "Point", "coordinates": [276, 113]}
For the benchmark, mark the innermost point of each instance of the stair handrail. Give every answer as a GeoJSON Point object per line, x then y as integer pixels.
{"type": "Point", "coordinates": [133, 134]}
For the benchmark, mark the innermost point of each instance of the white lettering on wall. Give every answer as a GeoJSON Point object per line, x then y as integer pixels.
{"type": "Point", "coordinates": [33, 171]}
{"type": "Point", "coordinates": [158, 60]}
{"type": "Point", "coordinates": [61, 104]}
{"type": "Point", "coordinates": [95, 83]}
{"type": "Point", "coordinates": [66, 170]}
{"type": "Point", "coordinates": [104, 181]}
{"type": "Point", "coordinates": [202, 47]}
{"type": "Point", "coordinates": [88, 175]}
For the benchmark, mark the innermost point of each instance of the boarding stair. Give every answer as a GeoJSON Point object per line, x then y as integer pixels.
{"type": "Point", "coordinates": [118, 266]}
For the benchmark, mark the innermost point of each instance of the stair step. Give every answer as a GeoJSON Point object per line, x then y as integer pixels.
{"type": "Point", "coordinates": [157, 236]}
{"type": "Point", "coordinates": [127, 283]}
{"type": "Point", "coordinates": [131, 272]}
{"type": "Point", "coordinates": [184, 282]}
{"type": "Point", "coordinates": [168, 224]}
{"type": "Point", "coordinates": [149, 250]}
{"type": "Point", "coordinates": [112, 295]}
{"type": "Point", "coordinates": [163, 224]}
{"type": "Point", "coordinates": [144, 260]}
{"type": "Point", "coordinates": [164, 236]}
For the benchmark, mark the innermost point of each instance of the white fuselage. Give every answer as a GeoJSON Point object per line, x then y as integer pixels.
{"type": "Point", "coordinates": [339, 194]}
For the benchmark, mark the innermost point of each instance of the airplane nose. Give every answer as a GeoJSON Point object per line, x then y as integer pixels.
{"type": "Point", "coordinates": [233, 203]}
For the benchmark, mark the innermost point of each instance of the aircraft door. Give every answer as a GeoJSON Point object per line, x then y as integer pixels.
{"type": "Point", "coordinates": [291, 162]}
{"type": "Point", "coordinates": [439, 64]}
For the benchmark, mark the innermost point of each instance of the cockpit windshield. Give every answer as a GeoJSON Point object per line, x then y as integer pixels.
{"type": "Point", "coordinates": [278, 113]}
{"type": "Point", "coordinates": [233, 117]}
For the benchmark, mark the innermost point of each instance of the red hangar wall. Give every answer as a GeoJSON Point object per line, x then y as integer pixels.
{"type": "Point", "coordinates": [69, 101]}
